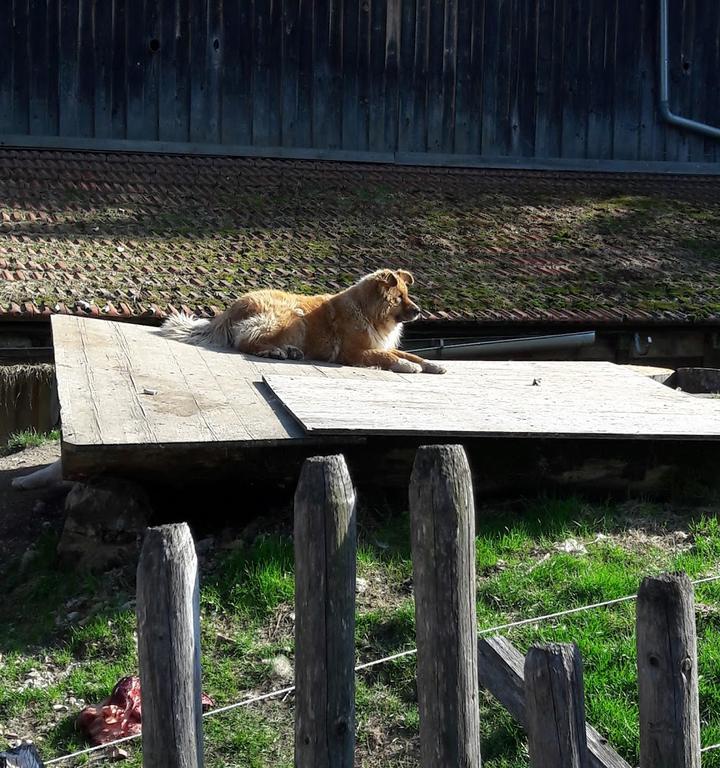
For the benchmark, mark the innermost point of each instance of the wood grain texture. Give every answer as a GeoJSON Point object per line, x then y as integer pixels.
{"type": "Point", "coordinates": [489, 398]}
{"type": "Point", "coordinates": [168, 613]}
{"type": "Point", "coordinates": [555, 707]}
{"type": "Point", "coordinates": [442, 521]}
{"type": "Point", "coordinates": [539, 79]}
{"type": "Point", "coordinates": [667, 673]}
{"type": "Point", "coordinates": [325, 555]}
{"type": "Point", "coordinates": [502, 673]}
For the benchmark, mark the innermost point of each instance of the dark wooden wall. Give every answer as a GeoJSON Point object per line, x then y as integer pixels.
{"type": "Point", "coordinates": [526, 80]}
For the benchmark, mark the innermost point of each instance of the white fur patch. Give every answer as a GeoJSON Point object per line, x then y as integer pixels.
{"type": "Point", "coordinates": [389, 341]}
{"type": "Point", "coordinates": [405, 366]}
{"type": "Point", "coordinates": [253, 329]}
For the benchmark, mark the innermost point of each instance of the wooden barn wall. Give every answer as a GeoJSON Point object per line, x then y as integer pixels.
{"type": "Point", "coordinates": [516, 79]}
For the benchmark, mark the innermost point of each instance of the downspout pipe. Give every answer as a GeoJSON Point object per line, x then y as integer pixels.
{"type": "Point", "coordinates": [479, 349]}
{"type": "Point", "coordinates": [664, 103]}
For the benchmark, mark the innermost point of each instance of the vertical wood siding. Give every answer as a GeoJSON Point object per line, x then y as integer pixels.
{"type": "Point", "coordinates": [516, 79]}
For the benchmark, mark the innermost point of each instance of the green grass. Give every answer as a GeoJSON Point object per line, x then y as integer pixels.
{"type": "Point", "coordinates": [31, 438]}
{"type": "Point", "coordinates": [532, 558]}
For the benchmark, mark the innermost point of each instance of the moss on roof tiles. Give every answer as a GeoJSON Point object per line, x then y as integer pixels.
{"type": "Point", "coordinates": [171, 231]}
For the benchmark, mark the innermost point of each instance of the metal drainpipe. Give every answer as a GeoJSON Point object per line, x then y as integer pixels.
{"type": "Point", "coordinates": [664, 104]}
{"type": "Point", "coordinates": [477, 349]}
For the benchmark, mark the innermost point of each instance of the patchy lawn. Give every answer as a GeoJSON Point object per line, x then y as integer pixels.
{"type": "Point", "coordinates": [65, 638]}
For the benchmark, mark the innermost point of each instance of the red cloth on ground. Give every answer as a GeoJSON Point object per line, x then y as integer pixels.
{"type": "Point", "coordinates": [119, 715]}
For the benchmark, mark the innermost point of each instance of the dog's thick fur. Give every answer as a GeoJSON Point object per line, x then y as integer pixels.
{"type": "Point", "coordinates": [360, 326]}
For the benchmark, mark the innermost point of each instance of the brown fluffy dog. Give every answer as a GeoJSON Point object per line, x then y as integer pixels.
{"type": "Point", "coordinates": [360, 326]}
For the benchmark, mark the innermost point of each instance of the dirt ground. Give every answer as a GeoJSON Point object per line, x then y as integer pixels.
{"type": "Point", "coordinates": [25, 514]}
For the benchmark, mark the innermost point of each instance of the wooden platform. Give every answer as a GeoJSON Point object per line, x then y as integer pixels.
{"type": "Point", "coordinates": [501, 399]}
{"type": "Point", "coordinates": [128, 396]}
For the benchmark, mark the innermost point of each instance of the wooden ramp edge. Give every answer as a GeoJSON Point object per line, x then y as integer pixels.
{"type": "Point", "coordinates": [503, 399]}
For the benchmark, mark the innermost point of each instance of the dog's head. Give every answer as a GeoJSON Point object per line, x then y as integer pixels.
{"type": "Point", "coordinates": [391, 297]}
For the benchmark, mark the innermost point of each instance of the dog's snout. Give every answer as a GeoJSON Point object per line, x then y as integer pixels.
{"type": "Point", "coordinates": [412, 312]}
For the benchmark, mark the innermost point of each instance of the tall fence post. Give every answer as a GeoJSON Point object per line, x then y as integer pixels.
{"type": "Point", "coordinates": [555, 707]}
{"type": "Point", "coordinates": [168, 613]}
{"type": "Point", "coordinates": [443, 548]}
{"type": "Point", "coordinates": [325, 552]}
{"type": "Point", "coordinates": [667, 673]}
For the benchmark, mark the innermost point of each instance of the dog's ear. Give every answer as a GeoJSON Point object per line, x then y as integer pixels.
{"type": "Point", "coordinates": [387, 277]}
{"type": "Point", "coordinates": [405, 276]}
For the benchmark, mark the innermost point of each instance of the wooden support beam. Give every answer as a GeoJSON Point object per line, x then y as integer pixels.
{"type": "Point", "coordinates": [502, 674]}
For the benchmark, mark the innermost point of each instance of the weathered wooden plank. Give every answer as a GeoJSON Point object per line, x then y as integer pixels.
{"type": "Point", "coordinates": [490, 92]}
{"type": "Point", "coordinates": [290, 52]}
{"type": "Point", "coordinates": [38, 64]}
{"type": "Point", "coordinates": [574, 80]}
{"type": "Point", "coordinates": [19, 18]}
{"type": "Point", "coordinates": [321, 106]}
{"type": "Point", "coordinates": [136, 64]}
{"type": "Point", "coordinates": [692, 89]}
{"type": "Point", "coordinates": [406, 75]}
{"type": "Point", "coordinates": [668, 673]}
{"type": "Point", "coordinates": [713, 63]}
{"type": "Point", "coordinates": [435, 59]}
{"type": "Point", "coordinates": [626, 129]}
{"type": "Point", "coordinates": [501, 670]}
{"type": "Point", "coordinates": [104, 369]}
{"type": "Point", "coordinates": [237, 122]}
{"type": "Point", "coordinates": [566, 399]}
{"type": "Point", "coordinates": [377, 100]}
{"type": "Point", "coordinates": [168, 613]}
{"type": "Point", "coordinates": [599, 93]}
{"type": "Point", "coordinates": [304, 121]}
{"type": "Point", "coordinates": [275, 66]}
{"type": "Point", "coordinates": [325, 556]}
{"type": "Point", "coordinates": [86, 69]}
{"type": "Point", "coordinates": [120, 63]}
{"type": "Point", "coordinates": [6, 81]}
{"type": "Point", "coordinates": [68, 73]}
{"type": "Point", "coordinates": [417, 134]}
{"type": "Point", "coordinates": [198, 70]}
{"type": "Point", "coordinates": [524, 107]}
{"type": "Point", "coordinates": [442, 530]}
{"type": "Point", "coordinates": [555, 707]}
{"type": "Point", "coordinates": [262, 63]}
{"type": "Point", "coordinates": [449, 74]}
{"type": "Point", "coordinates": [548, 107]}
{"type": "Point", "coordinates": [465, 115]}
{"type": "Point", "coordinates": [392, 77]}
{"type": "Point", "coordinates": [103, 69]}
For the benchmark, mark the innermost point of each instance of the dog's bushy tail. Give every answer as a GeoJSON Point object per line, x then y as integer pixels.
{"type": "Point", "coordinates": [193, 330]}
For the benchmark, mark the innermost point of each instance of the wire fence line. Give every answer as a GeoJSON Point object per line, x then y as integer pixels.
{"type": "Point", "coordinates": [393, 657]}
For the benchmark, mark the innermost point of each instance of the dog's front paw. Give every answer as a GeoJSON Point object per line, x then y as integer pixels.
{"type": "Point", "coordinates": [433, 368]}
{"type": "Point", "coordinates": [405, 366]}
{"type": "Point", "coordinates": [274, 353]}
{"type": "Point", "coordinates": [294, 353]}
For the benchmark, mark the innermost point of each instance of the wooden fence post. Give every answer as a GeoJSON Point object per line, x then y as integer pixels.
{"type": "Point", "coordinates": [168, 613]}
{"type": "Point", "coordinates": [555, 707]}
{"type": "Point", "coordinates": [325, 552]}
{"type": "Point", "coordinates": [502, 674]}
{"type": "Point", "coordinates": [443, 548]}
{"type": "Point", "coordinates": [667, 673]}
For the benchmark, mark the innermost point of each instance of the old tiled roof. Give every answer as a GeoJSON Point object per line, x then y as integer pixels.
{"type": "Point", "coordinates": [145, 234]}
